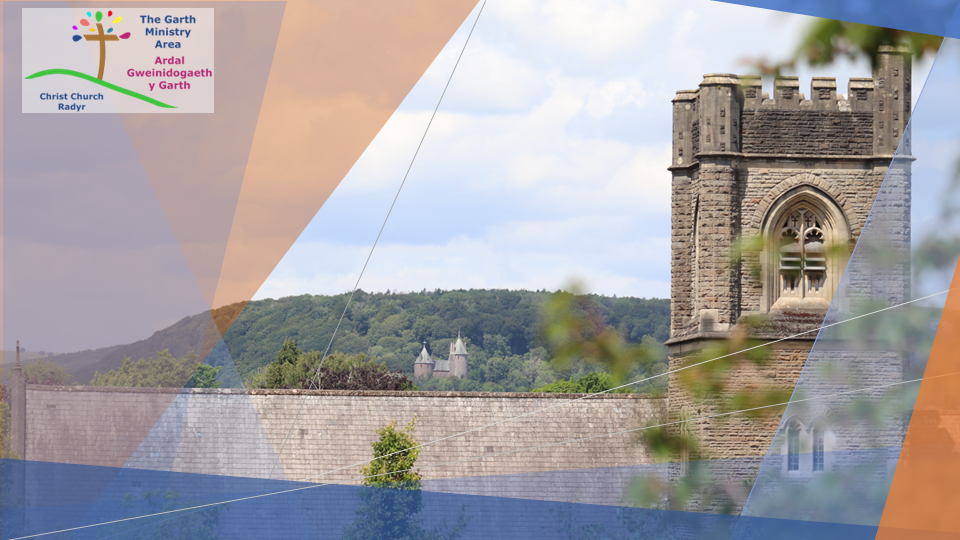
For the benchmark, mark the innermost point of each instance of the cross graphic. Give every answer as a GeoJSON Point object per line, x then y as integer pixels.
{"type": "Point", "coordinates": [103, 39]}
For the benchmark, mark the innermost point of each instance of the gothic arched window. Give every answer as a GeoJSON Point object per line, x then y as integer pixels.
{"type": "Point", "coordinates": [803, 257]}
{"type": "Point", "coordinates": [800, 228]}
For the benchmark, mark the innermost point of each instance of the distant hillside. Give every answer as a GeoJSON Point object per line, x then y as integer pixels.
{"type": "Point", "coordinates": [180, 338]}
{"type": "Point", "coordinates": [392, 327]}
{"type": "Point", "coordinates": [78, 360]}
{"type": "Point", "coordinates": [497, 326]}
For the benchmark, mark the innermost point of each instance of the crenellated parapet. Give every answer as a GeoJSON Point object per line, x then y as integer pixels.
{"type": "Point", "coordinates": [731, 114]}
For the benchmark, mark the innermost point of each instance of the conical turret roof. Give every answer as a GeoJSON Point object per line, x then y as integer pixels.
{"type": "Point", "coordinates": [459, 348]}
{"type": "Point", "coordinates": [424, 357]}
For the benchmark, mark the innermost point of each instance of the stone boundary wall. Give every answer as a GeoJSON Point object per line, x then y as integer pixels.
{"type": "Point", "coordinates": [240, 433]}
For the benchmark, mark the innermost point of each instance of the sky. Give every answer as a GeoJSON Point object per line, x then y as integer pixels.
{"type": "Point", "coordinates": [546, 163]}
{"type": "Point", "coordinates": [545, 166]}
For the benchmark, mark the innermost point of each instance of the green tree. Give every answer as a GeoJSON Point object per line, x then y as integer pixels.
{"type": "Point", "coordinates": [164, 371]}
{"type": "Point", "coordinates": [42, 371]}
{"type": "Point", "coordinates": [198, 524]}
{"type": "Point", "coordinates": [391, 501]}
{"type": "Point", "coordinates": [395, 453]}
{"type": "Point", "coordinates": [590, 383]}
{"type": "Point", "coordinates": [294, 368]}
{"type": "Point", "coordinates": [205, 377]}
{"type": "Point", "coordinates": [278, 372]}
{"type": "Point", "coordinates": [826, 40]}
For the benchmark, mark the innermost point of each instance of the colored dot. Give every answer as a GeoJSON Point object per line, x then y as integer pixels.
{"type": "Point", "coordinates": [84, 22]}
{"type": "Point", "coordinates": [93, 29]}
{"type": "Point", "coordinates": [76, 38]}
{"type": "Point", "coordinates": [74, 27]}
{"type": "Point", "coordinates": [125, 35]}
{"type": "Point", "coordinates": [109, 30]}
{"type": "Point", "coordinates": [109, 14]}
{"type": "Point", "coordinates": [88, 14]}
{"type": "Point", "coordinates": [99, 16]}
{"type": "Point", "coordinates": [118, 19]}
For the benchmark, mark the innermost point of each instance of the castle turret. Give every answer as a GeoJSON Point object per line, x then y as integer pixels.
{"type": "Point", "coordinates": [458, 359]}
{"type": "Point", "coordinates": [424, 364]}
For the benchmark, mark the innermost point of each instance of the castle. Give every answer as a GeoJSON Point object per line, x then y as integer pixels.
{"type": "Point", "coordinates": [454, 366]}
{"type": "Point", "coordinates": [800, 176]}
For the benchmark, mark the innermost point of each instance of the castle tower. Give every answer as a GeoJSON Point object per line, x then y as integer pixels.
{"type": "Point", "coordinates": [458, 358]}
{"type": "Point", "coordinates": [424, 364]}
{"type": "Point", "coordinates": [800, 173]}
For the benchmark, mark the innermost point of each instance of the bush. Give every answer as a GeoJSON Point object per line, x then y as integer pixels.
{"type": "Point", "coordinates": [295, 369]}
{"type": "Point", "coordinates": [590, 383]}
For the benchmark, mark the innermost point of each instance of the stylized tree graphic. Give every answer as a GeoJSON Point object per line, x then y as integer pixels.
{"type": "Point", "coordinates": [97, 34]}
{"type": "Point", "coordinates": [100, 36]}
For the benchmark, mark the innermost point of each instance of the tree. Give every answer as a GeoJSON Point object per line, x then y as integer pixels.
{"type": "Point", "coordinates": [391, 498]}
{"type": "Point", "coordinates": [828, 39]}
{"type": "Point", "coordinates": [203, 524]}
{"type": "Point", "coordinates": [590, 383]}
{"type": "Point", "coordinates": [100, 36]}
{"type": "Point", "coordinates": [163, 371]}
{"type": "Point", "coordinates": [295, 369]}
{"type": "Point", "coordinates": [42, 371]}
{"type": "Point", "coordinates": [395, 453]}
{"type": "Point", "coordinates": [205, 377]}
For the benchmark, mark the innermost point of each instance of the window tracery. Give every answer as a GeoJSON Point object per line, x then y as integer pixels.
{"type": "Point", "coordinates": [804, 231]}
{"type": "Point", "coordinates": [803, 258]}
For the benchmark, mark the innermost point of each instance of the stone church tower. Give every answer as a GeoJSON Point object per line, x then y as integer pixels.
{"type": "Point", "coordinates": [799, 176]}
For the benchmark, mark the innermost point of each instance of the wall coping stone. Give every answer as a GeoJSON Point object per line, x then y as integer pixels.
{"type": "Point", "coordinates": [341, 393]}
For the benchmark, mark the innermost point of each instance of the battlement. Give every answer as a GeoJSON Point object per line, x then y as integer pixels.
{"type": "Point", "coordinates": [787, 95]}
{"type": "Point", "coordinates": [730, 113]}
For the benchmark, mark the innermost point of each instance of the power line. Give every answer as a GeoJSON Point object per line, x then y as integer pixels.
{"type": "Point", "coordinates": [567, 402]}
{"type": "Point", "coordinates": [485, 456]}
{"type": "Point", "coordinates": [316, 378]}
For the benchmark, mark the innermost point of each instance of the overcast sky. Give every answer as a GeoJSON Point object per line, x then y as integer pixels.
{"type": "Point", "coordinates": [546, 163]}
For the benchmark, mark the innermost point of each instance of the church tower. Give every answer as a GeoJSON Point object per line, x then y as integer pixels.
{"type": "Point", "coordinates": [801, 176]}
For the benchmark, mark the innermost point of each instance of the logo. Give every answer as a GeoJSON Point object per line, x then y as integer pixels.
{"type": "Point", "coordinates": [109, 62]}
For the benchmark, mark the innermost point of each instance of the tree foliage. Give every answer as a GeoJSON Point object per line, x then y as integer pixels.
{"type": "Point", "coordinates": [203, 524]}
{"type": "Point", "coordinates": [162, 371]}
{"type": "Point", "coordinates": [590, 383]}
{"type": "Point", "coordinates": [395, 453]}
{"type": "Point", "coordinates": [294, 368]}
{"type": "Point", "coordinates": [826, 40]}
{"type": "Point", "coordinates": [392, 327]}
{"type": "Point", "coordinates": [390, 504]}
{"type": "Point", "coordinates": [43, 371]}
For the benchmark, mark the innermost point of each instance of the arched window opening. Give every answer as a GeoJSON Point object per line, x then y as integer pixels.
{"type": "Point", "coordinates": [793, 447]}
{"type": "Point", "coordinates": [804, 231]}
{"type": "Point", "coordinates": [818, 445]}
{"type": "Point", "coordinates": [803, 258]}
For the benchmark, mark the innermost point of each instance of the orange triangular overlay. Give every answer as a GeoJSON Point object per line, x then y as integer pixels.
{"type": "Point", "coordinates": [196, 162]}
{"type": "Point", "coordinates": [924, 499]}
{"type": "Point", "coordinates": [220, 320]}
{"type": "Point", "coordinates": [340, 71]}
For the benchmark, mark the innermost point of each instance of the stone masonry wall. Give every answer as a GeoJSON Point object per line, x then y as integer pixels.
{"type": "Point", "coordinates": [739, 436]}
{"type": "Point", "coordinates": [839, 133]}
{"type": "Point", "coordinates": [717, 228]}
{"type": "Point", "coordinates": [854, 189]}
{"type": "Point", "coordinates": [684, 206]}
{"type": "Point", "coordinates": [231, 432]}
